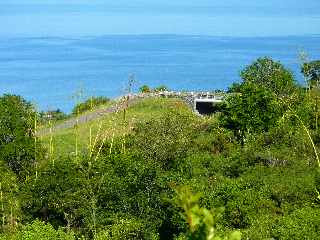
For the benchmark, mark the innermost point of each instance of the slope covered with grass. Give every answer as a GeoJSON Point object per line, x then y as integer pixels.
{"type": "Point", "coordinates": [110, 125]}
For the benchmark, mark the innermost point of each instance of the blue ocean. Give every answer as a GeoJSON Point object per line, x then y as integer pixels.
{"type": "Point", "coordinates": [50, 71]}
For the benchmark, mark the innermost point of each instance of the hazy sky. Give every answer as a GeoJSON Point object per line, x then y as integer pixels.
{"type": "Point", "coordinates": [200, 17]}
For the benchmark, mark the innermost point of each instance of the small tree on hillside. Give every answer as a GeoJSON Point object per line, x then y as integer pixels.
{"type": "Point", "coordinates": [255, 109]}
{"type": "Point", "coordinates": [145, 89]}
{"type": "Point", "coordinates": [258, 102]}
{"type": "Point", "coordinates": [270, 74]}
{"type": "Point", "coordinates": [311, 71]}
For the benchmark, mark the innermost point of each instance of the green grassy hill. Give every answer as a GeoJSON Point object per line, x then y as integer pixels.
{"type": "Point", "coordinates": [63, 141]}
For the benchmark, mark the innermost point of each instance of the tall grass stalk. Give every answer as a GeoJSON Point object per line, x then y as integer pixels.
{"type": "Point", "coordinates": [77, 96]}
{"type": "Point", "coordinates": [123, 148]}
{"type": "Point", "coordinates": [76, 136]}
{"type": "Point", "coordinates": [309, 136]}
{"type": "Point", "coordinates": [293, 113]}
{"type": "Point", "coordinates": [51, 157]}
{"type": "Point", "coordinates": [12, 219]}
{"type": "Point", "coordinates": [11, 213]}
{"type": "Point", "coordinates": [111, 145]}
{"type": "Point", "coordinates": [93, 215]}
{"type": "Point", "coordinates": [131, 82]}
{"type": "Point", "coordinates": [312, 142]}
{"type": "Point", "coordinates": [113, 132]}
{"type": "Point", "coordinates": [90, 129]}
{"type": "Point", "coordinates": [35, 143]}
{"type": "Point", "coordinates": [96, 139]}
{"type": "Point", "coordinates": [2, 205]}
{"type": "Point", "coordinates": [90, 139]}
{"type": "Point", "coordinates": [100, 147]}
{"type": "Point", "coordinates": [303, 57]}
{"type": "Point", "coordinates": [317, 111]}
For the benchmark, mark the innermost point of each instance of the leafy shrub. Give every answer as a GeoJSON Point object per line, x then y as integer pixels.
{"type": "Point", "coordinates": [17, 118]}
{"type": "Point", "coordinates": [300, 224]}
{"type": "Point", "coordinates": [201, 221]}
{"type": "Point", "coordinates": [163, 140]}
{"type": "Point", "coordinates": [40, 231]}
{"type": "Point", "coordinates": [213, 139]}
{"type": "Point", "coordinates": [57, 195]}
{"type": "Point", "coordinates": [256, 109]}
{"type": "Point", "coordinates": [90, 104]}
{"type": "Point", "coordinates": [126, 230]}
{"type": "Point", "coordinates": [145, 89]}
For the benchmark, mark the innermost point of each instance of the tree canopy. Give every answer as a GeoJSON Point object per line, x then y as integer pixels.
{"type": "Point", "coordinates": [270, 74]}
{"type": "Point", "coordinates": [311, 71]}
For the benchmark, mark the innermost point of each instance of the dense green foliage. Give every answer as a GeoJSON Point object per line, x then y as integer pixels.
{"type": "Point", "coordinates": [89, 104]}
{"type": "Point", "coordinates": [251, 171]}
{"type": "Point", "coordinates": [39, 231]}
{"type": "Point", "coordinates": [254, 109]}
{"type": "Point", "coordinates": [17, 121]}
{"type": "Point", "coordinates": [269, 74]}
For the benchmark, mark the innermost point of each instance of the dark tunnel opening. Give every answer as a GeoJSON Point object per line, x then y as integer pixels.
{"type": "Point", "coordinates": [205, 108]}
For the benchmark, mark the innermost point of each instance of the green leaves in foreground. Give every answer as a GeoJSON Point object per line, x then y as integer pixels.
{"type": "Point", "coordinates": [201, 221]}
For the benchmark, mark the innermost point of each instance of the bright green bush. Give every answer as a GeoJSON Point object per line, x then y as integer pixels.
{"type": "Point", "coordinates": [255, 109]}
{"type": "Point", "coordinates": [89, 104]}
{"type": "Point", "coordinates": [17, 118]}
{"type": "Point", "coordinates": [40, 231]}
{"type": "Point", "coordinates": [300, 224]}
{"type": "Point", "coordinates": [202, 223]}
{"type": "Point", "coordinates": [125, 229]}
{"type": "Point", "coordinates": [145, 89]}
{"type": "Point", "coordinates": [163, 140]}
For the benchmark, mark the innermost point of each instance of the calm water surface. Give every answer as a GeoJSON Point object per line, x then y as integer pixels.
{"type": "Point", "coordinates": [48, 71]}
